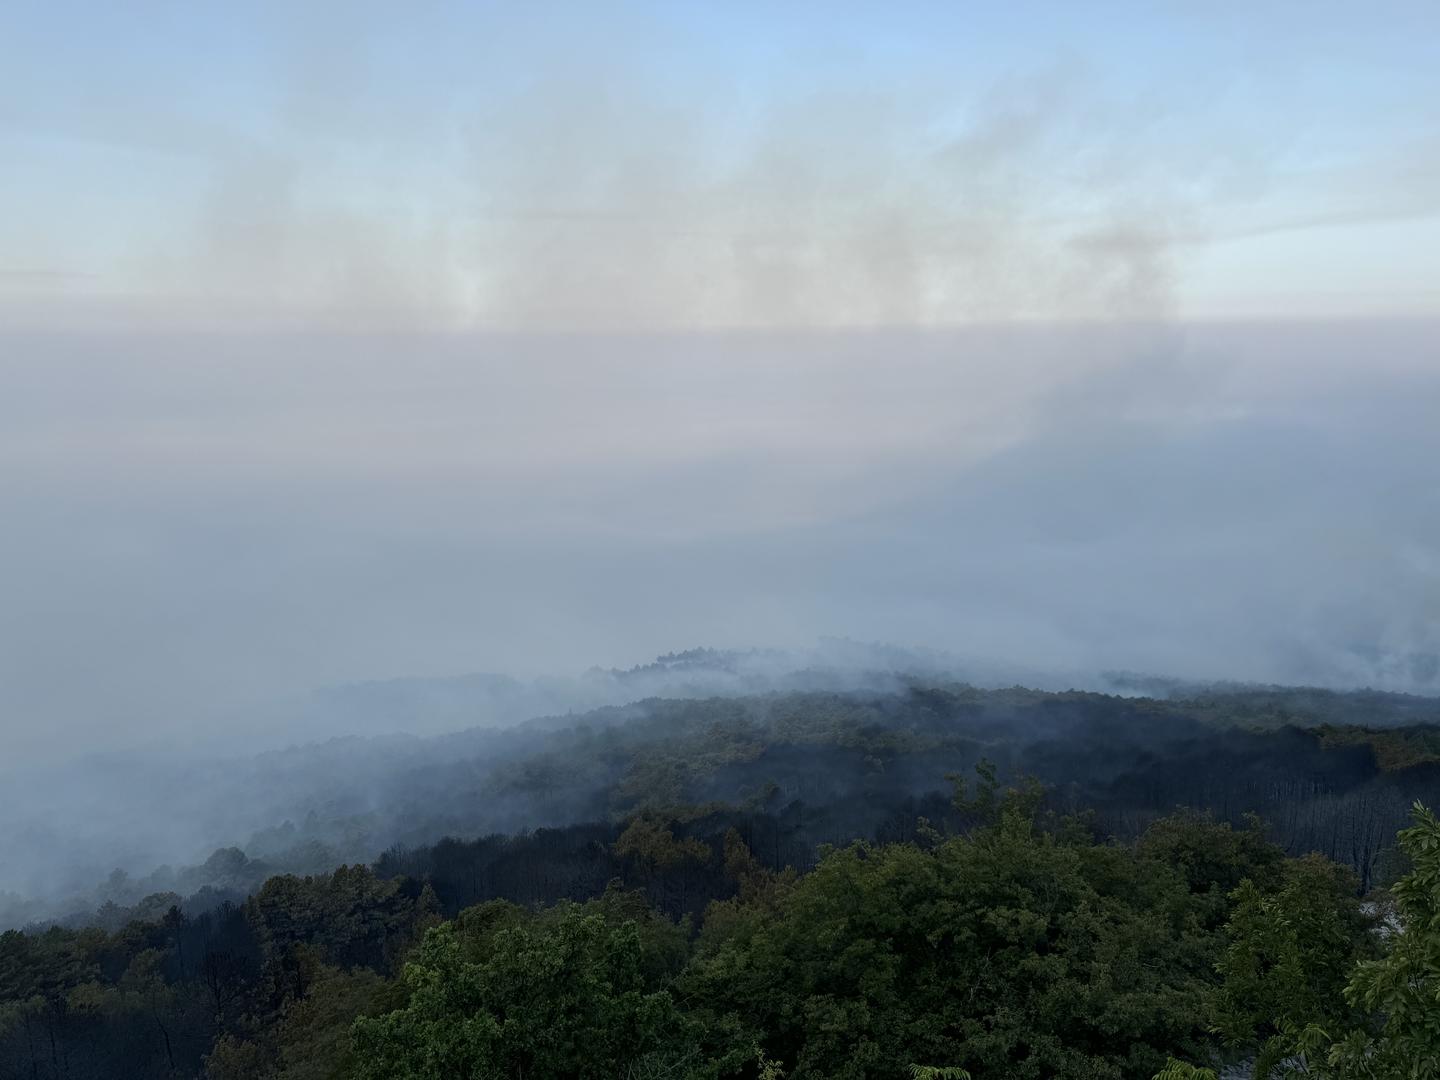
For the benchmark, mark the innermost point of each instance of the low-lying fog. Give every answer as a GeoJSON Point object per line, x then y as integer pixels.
{"type": "Point", "coordinates": [199, 531]}
{"type": "Point", "coordinates": [193, 526]}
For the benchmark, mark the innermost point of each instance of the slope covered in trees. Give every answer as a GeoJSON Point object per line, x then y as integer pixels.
{"type": "Point", "coordinates": [1012, 883]}
{"type": "Point", "coordinates": [827, 766]}
{"type": "Point", "coordinates": [1018, 944]}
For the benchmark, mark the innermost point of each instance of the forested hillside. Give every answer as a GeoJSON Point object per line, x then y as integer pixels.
{"type": "Point", "coordinates": [811, 884]}
{"type": "Point", "coordinates": [824, 766]}
{"type": "Point", "coordinates": [1006, 942]}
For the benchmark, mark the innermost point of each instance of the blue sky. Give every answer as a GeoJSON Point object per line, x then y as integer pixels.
{"type": "Point", "coordinates": [695, 164]}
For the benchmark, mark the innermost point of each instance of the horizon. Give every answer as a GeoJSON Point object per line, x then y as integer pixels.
{"type": "Point", "coordinates": [204, 521]}
{"type": "Point", "coordinates": [343, 341]}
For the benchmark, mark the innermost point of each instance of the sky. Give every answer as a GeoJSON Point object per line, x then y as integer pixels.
{"type": "Point", "coordinates": [346, 341]}
{"type": "Point", "coordinates": [681, 165]}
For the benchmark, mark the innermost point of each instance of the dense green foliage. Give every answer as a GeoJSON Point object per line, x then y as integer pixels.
{"type": "Point", "coordinates": [568, 995]}
{"type": "Point", "coordinates": [1290, 956]}
{"type": "Point", "coordinates": [1402, 987]}
{"type": "Point", "coordinates": [1021, 948]}
{"type": "Point", "coordinates": [1010, 952]}
{"type": "Point", "coordinates": [699, 926]}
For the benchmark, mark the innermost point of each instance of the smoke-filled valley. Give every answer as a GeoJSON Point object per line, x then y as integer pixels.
{"type": "Point", "coordinates": [717, 786]}
{"type": "Point", "coordinates": [1012, 429]}
{"type": "Point", "coordinates": [844, 741]}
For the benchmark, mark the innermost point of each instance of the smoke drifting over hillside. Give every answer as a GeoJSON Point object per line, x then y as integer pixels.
{"type": "Point", "coordinates": [374, 347]}
{"type": "Point", "coordinates": [800, 734]}
{"type": "Point", "coordinates": [195, 525]}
